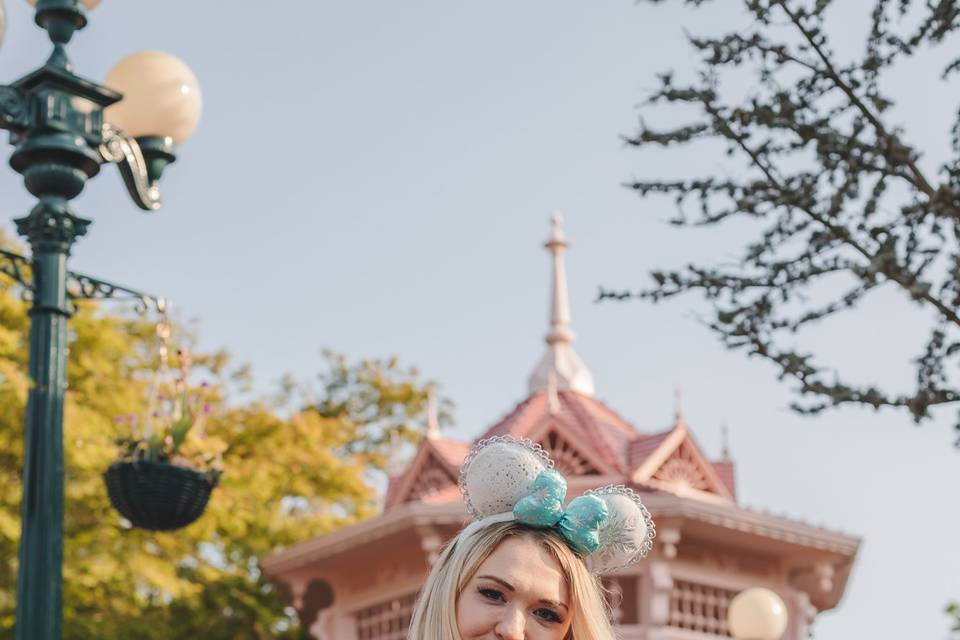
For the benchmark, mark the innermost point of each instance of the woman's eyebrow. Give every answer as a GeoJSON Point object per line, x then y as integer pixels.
{"type": "Point", "coordinates": [554, 603]}
{"type": "Point", "coordinates": [506, 585]}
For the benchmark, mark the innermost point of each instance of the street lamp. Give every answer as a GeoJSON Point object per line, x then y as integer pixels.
{"type": "Point", "coordinates": [757, 614]}
{"type": "Point", "coordinates": [60, 137]}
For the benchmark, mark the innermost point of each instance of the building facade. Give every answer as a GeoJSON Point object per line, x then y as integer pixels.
{"type": "Point", "coordinates": [360, 583]}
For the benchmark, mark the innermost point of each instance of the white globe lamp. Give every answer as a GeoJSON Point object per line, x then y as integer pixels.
{"type": "Point", "coordinates": [757, 614]}
{"type": "Point", "coordinates": [161, 96]}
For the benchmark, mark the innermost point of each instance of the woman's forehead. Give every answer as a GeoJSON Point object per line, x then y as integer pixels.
{"type": "Point", "coordinates": [528, 567]}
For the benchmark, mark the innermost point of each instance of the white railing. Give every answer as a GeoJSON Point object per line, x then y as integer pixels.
{"type": "Point", "coordinates": [700, 607]}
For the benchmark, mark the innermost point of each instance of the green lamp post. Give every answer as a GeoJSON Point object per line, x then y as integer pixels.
{"type": "Point", "coordinates": [63, 129]}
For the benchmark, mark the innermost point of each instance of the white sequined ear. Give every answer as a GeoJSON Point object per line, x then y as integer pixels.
{"type": "Point", "coordinates": [498, 472]}
{"type": "Point", "coordinates": [627, 535]}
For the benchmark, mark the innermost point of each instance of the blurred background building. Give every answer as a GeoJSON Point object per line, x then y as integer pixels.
{"type": "Point", "coordinates": [361, 582]}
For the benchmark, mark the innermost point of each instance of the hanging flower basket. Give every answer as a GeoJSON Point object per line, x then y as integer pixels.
{"type": "Point", "coordinates": [168, 465]}
{"type": "Point", "coordinates": [158, 496]}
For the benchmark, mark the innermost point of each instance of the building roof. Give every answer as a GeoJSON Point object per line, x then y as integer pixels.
{"type": "Point", "coordinates": [640, 448]}
{"type": "Point", "coordinates": [725, 471]}
{"type": "Point", "coordinates": [434, 468]}
{"type": "Point", "coordinates": [586, 418]}
{"type": "Point", "coordinates": [453, 452]}
{"type": "Point", "coordinates": [571, 424]}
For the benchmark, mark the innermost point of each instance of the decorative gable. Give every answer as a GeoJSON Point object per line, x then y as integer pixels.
{"type": "Point", "coordinates": [591, 429]}
{"type": "Point", "coordinates": [431, 480]}
{"type": "Point", "coordinates": [676, 465]}
{"type": "Point", "coordinates": [431, 476]}
{"type": "Point", "coordinates": [681, 470]}
{"type": "Point", "coordinates": [566, 457]}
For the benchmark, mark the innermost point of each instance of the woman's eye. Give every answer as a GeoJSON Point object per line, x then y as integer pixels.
{"type": "Point", "coordinates": [492, 594]}
{"type": "Point", "coordinates": [549, 615]}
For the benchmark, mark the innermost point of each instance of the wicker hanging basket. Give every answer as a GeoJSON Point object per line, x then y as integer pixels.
{"type": "Point", "coordinates": [158, 496]}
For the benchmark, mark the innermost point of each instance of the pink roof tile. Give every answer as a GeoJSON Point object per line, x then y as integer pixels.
{"type": "Point", "coordinates": [450, 452]}
{"type": "Point", "coordinates": [641, 448]}
{"type": "Point", "coordinates": [587, 418]}
{"type": "Point", "coordinates": [519, 421]}
{"type": "Point", "coordinates": [453, 452]}
{"type": "Point", "coordinates": [393, 484]}
{"type": "Point", "coordinates": [725, 470]}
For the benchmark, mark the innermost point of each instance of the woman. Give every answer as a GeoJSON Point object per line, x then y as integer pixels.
{"type": "Point", "coordinates": [526, 568]}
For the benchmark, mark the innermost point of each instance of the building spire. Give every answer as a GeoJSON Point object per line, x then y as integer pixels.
{"type": "Point", "coordinates": [560, 362]}
{"type": "Point", "coordinates": [560, 330]}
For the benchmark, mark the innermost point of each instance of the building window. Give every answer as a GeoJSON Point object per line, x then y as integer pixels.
{"type": "Point", "coordinates": [700, 607]}
{"type": "Point", "coordinates": [386, 620]}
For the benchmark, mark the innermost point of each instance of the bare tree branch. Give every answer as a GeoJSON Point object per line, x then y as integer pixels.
{"type": "Point", "coordinates": [843, 205]}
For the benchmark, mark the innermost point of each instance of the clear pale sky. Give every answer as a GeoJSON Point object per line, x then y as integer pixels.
{"type": "Point", "coordinates": [377, 178]}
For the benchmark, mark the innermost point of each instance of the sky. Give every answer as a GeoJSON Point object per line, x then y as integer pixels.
{"type": "Point", "coordinates": [377, 178]}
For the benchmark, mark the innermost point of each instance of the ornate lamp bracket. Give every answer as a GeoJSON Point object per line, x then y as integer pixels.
{"type": "Point", "coordinates": [80, 286]}
{"type": "Point", "coordinates": [13, 109]}
{"type": "Point", "coordinates": [83, 287]}
{"type": "Point", "coordinates": [127, 154]}
{"type": "Point", "coordinates": [16, 267]}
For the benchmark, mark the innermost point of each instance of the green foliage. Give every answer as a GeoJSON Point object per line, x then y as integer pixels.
{"type": "Point", "coordinates": [381, 404]}
{"type": "Point", "coordinates": [289, 474]}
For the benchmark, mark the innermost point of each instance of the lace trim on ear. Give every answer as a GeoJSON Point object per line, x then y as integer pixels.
{"type": "Point", "coordinates": [526, 443]}
{"type": "Point", "coordinates": [618, 546]}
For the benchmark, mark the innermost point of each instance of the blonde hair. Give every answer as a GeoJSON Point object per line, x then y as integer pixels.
{"type": "Point", "coordinates": [435, 614]}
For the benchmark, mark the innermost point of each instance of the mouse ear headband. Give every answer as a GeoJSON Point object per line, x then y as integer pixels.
{"type": "Point", "coordinates": [506, 478]}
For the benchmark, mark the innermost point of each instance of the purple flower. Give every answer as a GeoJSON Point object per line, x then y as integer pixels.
{"type": "Point", "coordinates": [207, 409]}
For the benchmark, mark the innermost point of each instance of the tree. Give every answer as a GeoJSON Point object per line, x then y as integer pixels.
{"type": "Point", "coordinates": [291, 472]}
{"type": "Point", "coordinates": [953, 610]}
{"type": "Point", "coordinates": [843, 204]}
{"type": "Point", "coordinates": [836, 191]}
{"type": "Point", "coordinates": [382, 403]}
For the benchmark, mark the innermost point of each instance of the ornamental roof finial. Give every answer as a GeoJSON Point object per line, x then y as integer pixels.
{"type": "Point", "coordinates": [725, 434]}
{"type": "Point", "coordinates": [560, 360]}
{"type": "Point", "coordinates": [433, 415]}
{"type": "Point", "coordinates": [678, 419]}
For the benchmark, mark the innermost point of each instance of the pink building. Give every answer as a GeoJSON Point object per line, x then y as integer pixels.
{"type": "Point", "coordinates": [360, 582]}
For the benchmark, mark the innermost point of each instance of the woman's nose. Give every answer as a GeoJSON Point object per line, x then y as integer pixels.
{"type": "Point", "coordinates": [510, 626]}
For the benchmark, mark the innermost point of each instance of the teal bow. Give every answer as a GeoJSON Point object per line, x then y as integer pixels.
{"type": "Point", "coordinates": [542, 507]}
